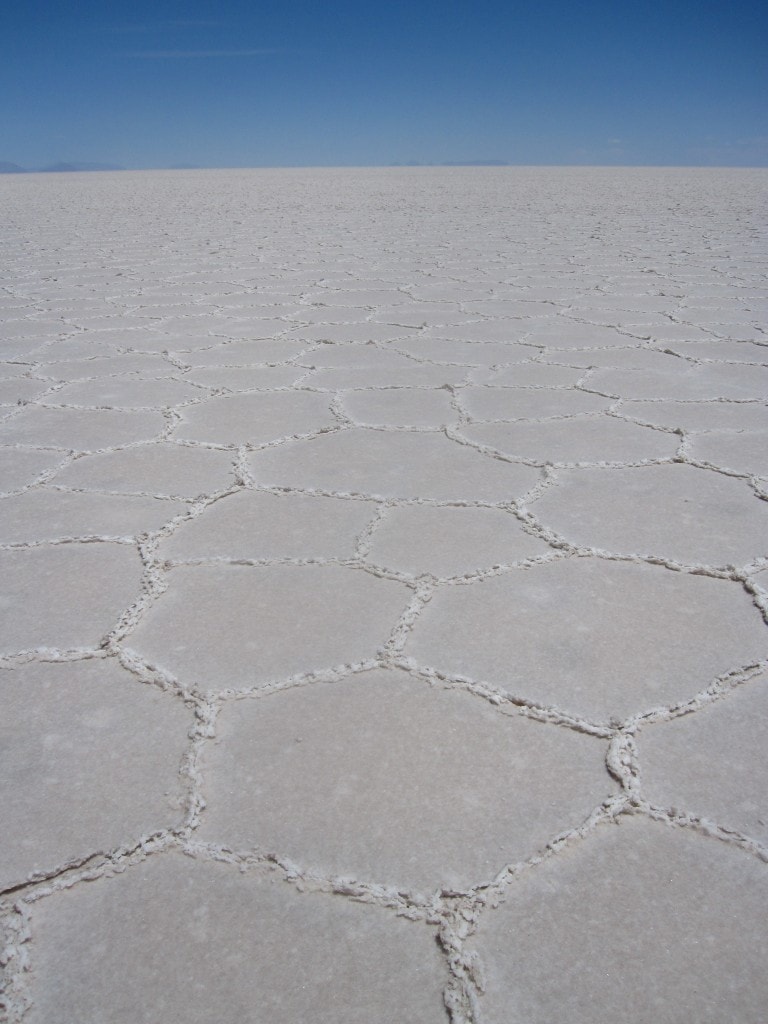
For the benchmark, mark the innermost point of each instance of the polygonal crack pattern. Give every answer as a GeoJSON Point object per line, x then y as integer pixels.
{"type": "Point", "coordinates": [225, 626]}
{"type": "Point", "coordinates": [382, 777]}
{"type": "Point", "coordinates": [338, 960]}
{"type": "Point", "coordinates": [549, 951]}
{"type": "Point", "coordinates": [714, 763]}
{"type": "Point", "coordinates": [69, 732]}
{"type": "Point", "coordinates": [358, 583]}
{"type": "Point", "coordinates": [628, 636]}
{"type": "Point", "coordinates": [674, 512]}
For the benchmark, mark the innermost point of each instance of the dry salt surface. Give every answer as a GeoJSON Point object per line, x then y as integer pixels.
{"type": "Point", "coordinates": [384, 593]}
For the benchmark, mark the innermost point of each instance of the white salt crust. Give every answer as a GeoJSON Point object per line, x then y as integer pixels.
{"type": "Point", "coordinates": [374, 543]}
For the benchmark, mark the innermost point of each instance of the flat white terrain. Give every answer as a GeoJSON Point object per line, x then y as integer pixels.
{"type": "Point", "coordinates": [384, 561]}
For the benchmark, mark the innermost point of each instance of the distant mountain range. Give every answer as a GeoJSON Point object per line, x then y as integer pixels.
{"type": "Point", "coordinates": [456, 163]}
{"type": "Point", "coordinates": [9, 168]}
{"type": "Point", "coordinates": [6, 167]}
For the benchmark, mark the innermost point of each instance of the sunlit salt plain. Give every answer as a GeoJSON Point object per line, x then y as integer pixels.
{"type": "Point", "coordinates": [384, 596]}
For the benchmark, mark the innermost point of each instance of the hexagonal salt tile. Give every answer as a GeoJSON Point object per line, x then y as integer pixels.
{"type": "Point", "coordinates": [251, 329]}
{"type": "Point", "coordinates": [633, 356]}
{"type": "Point", "coordinates": [392, 464]}
{"type": "Point", "coordinates": [29, 327]}
{"type": "Point", "coordinates": [243, 353]}
{"type": "Point", "coordinates": [220, 945]}
{"type": "Point", "coordinates": [450, 541]}
{"type": "Point", "coordinates": [517, 307]}
{"type": "Point", "coordinates": [48, 514]}
{"type": "Point", "coordinates": [712, 763]}
{"type": "Point", "coordinates": [124, 392]}
{"type": "Point", "coordinates": [728, 313]}
{"type": "Point", "coordinates": [255, 417]}
{"type": "Point", "coordinates": [246, 378]}
{"type": "Point", "coordinates": [19, 390]}
{"type": "Point", "coordinates": [545, 375]}
{"type": "Point", "coordinates": [409, 374]}
{"type": "Point", "coordinates": [106, 366]}
{"type": "Point", "coordinates": [90, 345]}
{"type": "Point", "coordinates": [21, 466]}
{"type": "Point", "coordinates": [700, 415]}
{"type": "Point", "coordinates": [598, 439]}
{"type": "Point", "coordinates": [257, 524]}
{"type": "Point", "coordinates": [708, 381]}
{"type": "Point", "coordinates": [161, 468]}
{"type": "Point", "coordinates": [505, 331]}
{"type": "Point", "coordinates": [639, 921]}
{"type": "Point", "coordinates": [488, 403]}
{"type": "Point", "coordinates": [561, 333]}
{"type": "Point", "coordinates": [80, 429]}
{"type": "Point", "coordinates": [467, 353]}
{"type": "Point", "coordinates": [732, 351]}
{"type": "Point", "coordinates": [597, 638]}
{"type": "Point", "coordinates": [444, 292]}
{"type": "Point", "coordinates": [238, 626]}
{"type": "Point", "coordinates": [356, 331]}
{"type": "Point", "coordinates": [355, 356]}
{"type": "Point", "coordinates": [745, 452]}
{"type": "Point", "coordinates": [90, 759]}
{"type": "Point", "coordinates": [383, 778]}
{"type": "Point", "coordinates": [400, 407]}
{"type": "Point", "coordinates": [66, 595]}
{"type": "Point", "coordinates": [690, 515]}
{"type": "Point", "coordinates": [332, 316]}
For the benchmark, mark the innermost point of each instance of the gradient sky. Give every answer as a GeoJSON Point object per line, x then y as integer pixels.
{"type": "Point", "coordinates": [303, 82]}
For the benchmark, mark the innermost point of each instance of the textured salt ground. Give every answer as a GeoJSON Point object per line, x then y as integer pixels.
{"type": "Point", "coordinates": [385, 583]}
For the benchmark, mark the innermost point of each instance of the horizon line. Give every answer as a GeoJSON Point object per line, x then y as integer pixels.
{"type": "Point", "coordinates": [448, 165]}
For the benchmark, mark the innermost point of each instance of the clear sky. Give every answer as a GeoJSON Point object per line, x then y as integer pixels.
{"type": "Point", "coordinates": [238, 83]}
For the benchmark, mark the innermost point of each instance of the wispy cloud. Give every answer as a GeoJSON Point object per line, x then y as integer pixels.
{"type": "Point", "coordinates": [194, 23]}
{"type": "Point", "coordinates": [122, 30]}
{"type": "Point", "coordinates": [193, 54]}
{"type": "Point", "coordinates": [160, 25]}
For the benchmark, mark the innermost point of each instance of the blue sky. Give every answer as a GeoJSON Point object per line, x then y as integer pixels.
{"type": "Point", "coordinates": [297, 82]}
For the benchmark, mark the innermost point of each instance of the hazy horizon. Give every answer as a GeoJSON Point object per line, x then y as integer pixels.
{"type": "Point", "coordinates": [69, 167]}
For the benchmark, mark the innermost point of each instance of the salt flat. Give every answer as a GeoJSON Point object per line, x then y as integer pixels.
{"type": "Point", "coordinates": [385, 584]}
